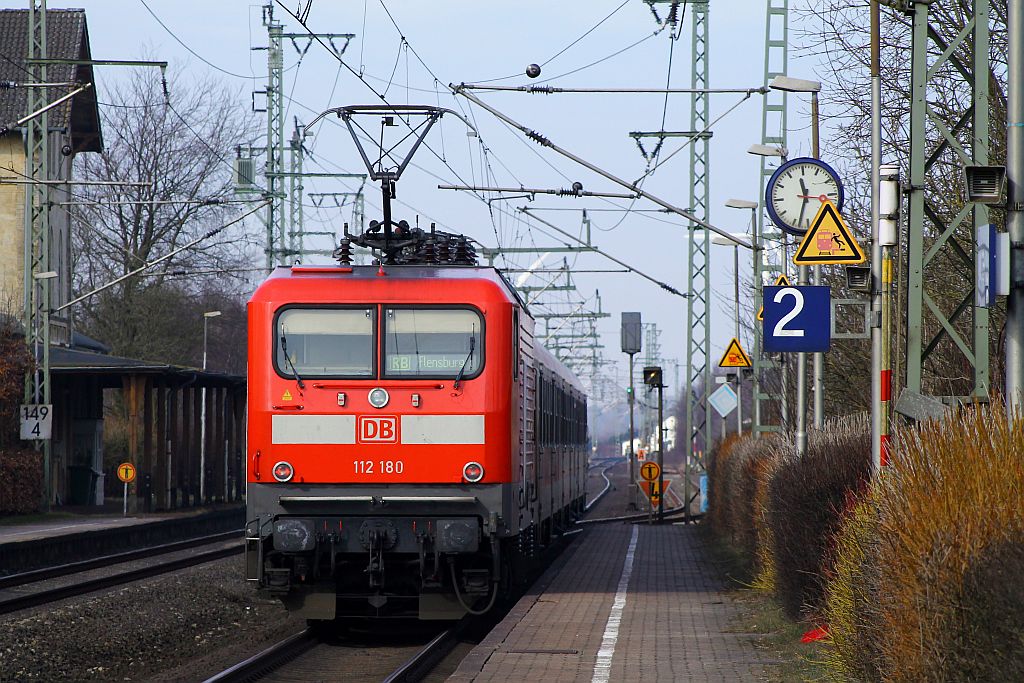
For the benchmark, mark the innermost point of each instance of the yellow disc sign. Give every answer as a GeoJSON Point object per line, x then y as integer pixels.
{"type": "Point", "coordinates": [650, 471]}
{"type": "Point", "coordinates": [126, 472]}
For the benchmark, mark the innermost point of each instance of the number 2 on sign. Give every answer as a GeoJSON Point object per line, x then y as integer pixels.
{"type": "Point", "coordinates": [780, 327]}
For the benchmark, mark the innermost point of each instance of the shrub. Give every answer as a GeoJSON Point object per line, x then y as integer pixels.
{"type": "Point", "coordinates": [21, 481]}
{"type": "Point", "coordinates": [718, 466]}
{"type": "Point", "coordinates": [754, 458]}
{"type": "Point", "coordinates": [929, 568]}
{"type": "Point", "coordinates": [737, 477]}
{"type": "Point", "coordinates": [851, 601]}
{"type": "Point", "coordinates": [807, 498]}
{"type": "Point", "coordinates": [15, 361]}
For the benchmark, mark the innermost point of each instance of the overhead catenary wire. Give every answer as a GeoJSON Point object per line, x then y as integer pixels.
{"type": "Point", "coordinates": [190, 50]}
{"type": "Point", "coordinates": [161, 259]}
{"type": "Point", "coordinates": [545, 142]}
{"type": "Point", "coordinates": [564, 49]}
{"type": "Point", "coordinates": [663, 285]}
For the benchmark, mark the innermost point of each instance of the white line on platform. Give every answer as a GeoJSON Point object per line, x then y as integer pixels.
{"type": "Point", "coordinates": [603, 665]}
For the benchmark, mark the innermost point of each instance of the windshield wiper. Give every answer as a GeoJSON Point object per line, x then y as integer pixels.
{"type": "Point", "coordinates": [469, 357]}
{"type": "Point", "coordinates": [295, 373]}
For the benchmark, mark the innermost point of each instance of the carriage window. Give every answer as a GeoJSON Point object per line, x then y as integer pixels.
{"type": "Point", "coordinates": [433, 342]}
{"type": "Point", "coordinates": [331, 342]}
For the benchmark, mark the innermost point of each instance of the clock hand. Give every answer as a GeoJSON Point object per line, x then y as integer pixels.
{"type": "Point", "coordinates": [803, 208]}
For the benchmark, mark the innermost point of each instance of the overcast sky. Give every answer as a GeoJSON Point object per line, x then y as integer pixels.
{"type": "Point", "coordinates": [473, 41]}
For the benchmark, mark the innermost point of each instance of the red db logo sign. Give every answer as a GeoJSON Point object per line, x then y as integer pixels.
{"type": "Point", "coordinates": [377, 429]}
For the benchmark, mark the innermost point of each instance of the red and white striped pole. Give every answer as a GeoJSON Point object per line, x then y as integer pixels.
{"type": "Point", "coordinates": [888, 237]}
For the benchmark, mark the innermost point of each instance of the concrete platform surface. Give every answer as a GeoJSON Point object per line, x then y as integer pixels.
{"type": "Point", "coordinates": [624, 603]}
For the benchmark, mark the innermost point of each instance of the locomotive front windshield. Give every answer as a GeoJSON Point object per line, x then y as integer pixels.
{"type": "Point", "coordinates": [432, 342]}
{"type": "Point", "coordinates": [332, 342]}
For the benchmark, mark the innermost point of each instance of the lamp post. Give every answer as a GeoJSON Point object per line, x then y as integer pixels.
{"type": "Point", "coordinates": [800, 85]}
{"type": "Point", "coordinates": [42, 361]}
{"type": "Point", "coordinates": [782, 153]}
{"type": "Point", "coordinates": [202, 419]}
{"type": "Point", "coordinates": [752, 206]}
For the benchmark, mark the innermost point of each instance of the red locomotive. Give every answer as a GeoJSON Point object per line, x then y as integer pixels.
{"type": "Point", "coordinates": [409, 440]}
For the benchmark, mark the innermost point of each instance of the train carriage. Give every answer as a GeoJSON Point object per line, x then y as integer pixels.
{"type": "Point", "coordinates": [409, 440]}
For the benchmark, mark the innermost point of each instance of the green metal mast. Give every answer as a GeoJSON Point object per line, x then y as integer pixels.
{"type": "Point", "coordinates": [938, 243]}
{"type": "Point", "coordinates": [286, 232]}
{"type": "Point", "coordinates": [769, 400]}
{"type": "Point", "coordinates": [698, 313]}
{"type": "Point", "coordinates": [275, 141]}
{"type": "Point", "coordinates": [37, 228]}
{"type": "Point", "coordinates": [295, 192]}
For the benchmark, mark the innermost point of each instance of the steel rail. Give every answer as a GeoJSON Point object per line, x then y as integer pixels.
{"type": "Point", "coordinates": [420, 664]}
{"type": "Point", "coordinates": [273, 657]}
{"type": "Point", "coordinates": [21, 602]}
{"type": "Point", "coordinates": [607, 487]}
{"type": "Point", "coordinates": [22, 578]}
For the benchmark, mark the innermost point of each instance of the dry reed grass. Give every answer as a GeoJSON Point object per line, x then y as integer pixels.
{"type": "Point", "coordinates": [927, 582]}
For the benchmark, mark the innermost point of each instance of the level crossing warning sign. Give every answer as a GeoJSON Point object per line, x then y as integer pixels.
{"type": "Point", "coordinates": [734, 356]}
{"type": "Point", "coordinates": [828, 241]}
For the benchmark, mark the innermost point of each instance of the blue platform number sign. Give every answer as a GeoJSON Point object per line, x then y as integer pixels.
{"type": "Point", "coordinates": [797, 319]}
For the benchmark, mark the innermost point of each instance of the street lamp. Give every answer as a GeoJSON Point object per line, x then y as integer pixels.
{"type": "Point", "coordinates": [768, 151]}
{"type": "Point", "coordinates": [721, 241]}
{"type": "Point", "coordinates": [202, 421]}
{"type": "Point", "coordinates": [801, 85]}
{"type": "Point", "coordinates": [43, 372]}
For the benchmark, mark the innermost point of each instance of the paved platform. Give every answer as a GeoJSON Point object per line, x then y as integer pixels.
{"type": "Point", "coordinates": [623, 603]}
{"type": "Point", "coordinates": [60, 540]}
{"type": "Point", "coordinates": [12, 530]}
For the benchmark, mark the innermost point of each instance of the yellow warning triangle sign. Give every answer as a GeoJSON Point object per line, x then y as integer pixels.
{"type": "Point", "coordinates": [734, 356]}
{"type": "Point", "coordinates": [780, 281]}
{"type": "Point", "coordinates": [829, 241]}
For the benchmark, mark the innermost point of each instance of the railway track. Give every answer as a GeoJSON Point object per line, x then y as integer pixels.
{"type": "Point", "coordinates": [308, 655]}
{"type": "Point", "coordinates": [17, 593]}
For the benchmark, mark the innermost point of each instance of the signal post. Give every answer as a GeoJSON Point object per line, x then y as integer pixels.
{"type": "Point", "coordinates": [653, 380]}
{"type": "Point", "coordinates": [631, 342]}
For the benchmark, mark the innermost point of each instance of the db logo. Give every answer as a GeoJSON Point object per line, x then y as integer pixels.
{"type": "Point", "coordinates": [377, 429]}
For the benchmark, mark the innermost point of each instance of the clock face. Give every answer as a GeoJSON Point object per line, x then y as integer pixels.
{"type": "Point", "coordinates": [796, 191]}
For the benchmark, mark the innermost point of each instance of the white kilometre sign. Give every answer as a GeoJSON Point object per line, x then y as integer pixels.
{"type": "Point", "coordinates": [36, 421]}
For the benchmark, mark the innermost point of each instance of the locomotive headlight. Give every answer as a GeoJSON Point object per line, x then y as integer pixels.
{"type": "Point", "coordinates": [294, 535]}
{"type": "Point", "coordinates": [283, 471]}
{"type": "Point", "coordinates": [473, 472]}
{"type": "Point", "coordinates": [378, 397]}
{"type": "Point", "coordinates": [457, 535]}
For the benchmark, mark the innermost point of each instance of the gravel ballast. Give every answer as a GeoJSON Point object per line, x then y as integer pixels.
{"type": "Point", "coordinates": [182, 626]}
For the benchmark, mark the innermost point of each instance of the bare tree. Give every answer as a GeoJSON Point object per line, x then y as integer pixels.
{"type": "Point", "coordinates": [175, 142]}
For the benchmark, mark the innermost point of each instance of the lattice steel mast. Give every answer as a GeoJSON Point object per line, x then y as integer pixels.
{"type": "Point", "coordinates": [37, 228]}
{"type": "Point", "coordinates": [932, 134]}
{"type": "Point", "coordinates": [773, 133]}
{"type": "Point", "coordinates": [698, 318]}
{"type": "Point", "coordinates": [285, 230]}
